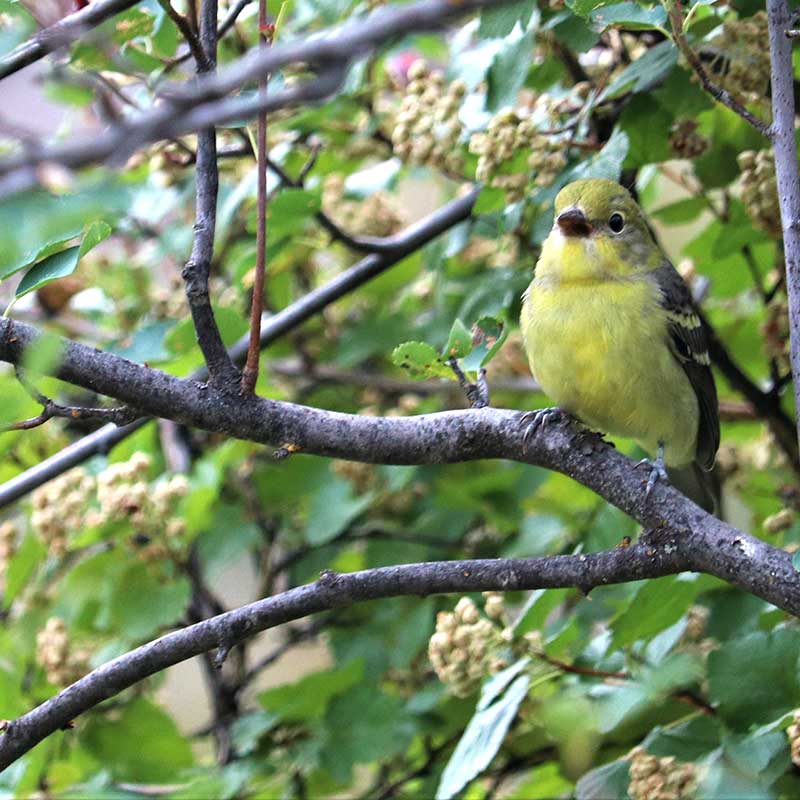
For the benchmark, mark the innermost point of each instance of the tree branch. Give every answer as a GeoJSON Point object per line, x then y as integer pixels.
{"type": "Point", "coordinates": [222, 370]}
{"type": "Point", "coordinates": [64, 32]}
{"type": "Point", "coordinates": [207, 102]}
{"type": "Point", "coordinates": [786, 170]}
{"type": "Point", "coordinates": [717, 92]}
{"type": "Point", "coordinates": [411, 239]}
{"type": "Point", "coordinates": [445, 437]}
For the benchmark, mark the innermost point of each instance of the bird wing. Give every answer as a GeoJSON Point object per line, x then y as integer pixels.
{"type": "Point", "coordinates": [688, 342]}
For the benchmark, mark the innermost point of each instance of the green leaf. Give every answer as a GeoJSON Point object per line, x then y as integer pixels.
{"type": "Point", "coordinates": [364, 724]}
{"type": "Point", "coordinates": [333, 508]}
{"type": "Point", "coordinates": [488, 335]}
{"type": "Point", "coordinates": [499, 22]}
{"type": "Point", "coordinates": [160, 751]}
{"type": "Point", "coordinates": [680, 212]}
{"type": "Point", "coordinates": [658, 604]}
{"type": "Point", "coordinates": [645, 72]}
{"type": "Point", "coordinates": [483, 735]}
{"type": "Point", "coordinates": [608, 162]}
{"type": "Point", "coordinates": [142, 602]}
{"type": "Point", "coordinates": [459, 343]}
{"type": "Point", "coordinates": [44, 354]}
{"type": "Point", "coordinates": [420, 360]}
{"type": "Point", "coordinates": [796, 560]}
{"type": "Point", "coordinates": [490, 200]}
{"type": "Point", "coordinates": [63, 263]}
{"type": "Point", "coordinates": [629, 15]}
{"type": "Point", "coordinates": [289, 211]}
{"type": "Point", "coordinates": [610, 780]}
{"type": "Point", "coordinates": [508, 72]}
{"type": "Point", "coordinates": [765, 663]}
{"type": "Point", "coordinates": [23, 564]}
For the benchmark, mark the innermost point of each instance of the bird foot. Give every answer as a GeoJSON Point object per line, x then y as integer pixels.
{"type": "Point", "coordinates": [531, 421]}
{"type": "Point", "coordinates": [658, 472]}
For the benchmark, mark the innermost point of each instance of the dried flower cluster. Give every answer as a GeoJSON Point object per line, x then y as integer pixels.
{"type": "Point", "coordinates": [654, 778]}
{"type": "Point", "coordinates": [760, 190]}
{"type": "Point", "coordinates": [62, 663]}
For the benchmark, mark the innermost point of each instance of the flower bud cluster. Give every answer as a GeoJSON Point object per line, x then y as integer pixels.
{"type": "Point", "coordinates": [685, 141]}
{"type": "Point", "coordinates": [760, 190]}
{"type": "Point", "coordinates": [775, 331]}
{"type": "Point", "coordinates": [744, 47]}
{"type": "Point", "coordinates": [466, 646]}
{"type": "Point", "coordinates": [654, 778]}
{"type": "Point", "coordinates": [509, 133]}
{"type": "Point", "coordinates": [793, 734]}
{"type": "Point", "coordinates": [62, 663]}
{"type": "Point", "coordinates": [375, 215]}
{"type": "Point", "coordinates": [8, 546]}
{"type": "Point", "coordinates": [60, 507]}
{"type": "Point", "coordinates": [362, 477]}
{"type": "Point", "coordinates": [780, 521]}
{"type": "Point", "coordinates": [696, 622]}
{"type": "Point", "coordinates": [125, 494]}
{"type": "Point", "coordinates": [427, 129]}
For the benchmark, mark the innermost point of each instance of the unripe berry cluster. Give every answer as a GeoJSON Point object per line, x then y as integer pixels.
{"type": "Point", "coordinates": [61, 507]}
{"type": "Point", "coordinates": [780, 521]}
{"type": "Point", "coordinates": [775, 331]}
{"type": "Point", "coordinates": [744, 48]}
{"type": "Point", "coordinates": [793, 734]}
{"type": "Point", "coordinates": [8, 546]}
{"type": "Point", "coordinates": [125, 494]}
{"type": "Point", "coordinates": [62, 663]}
{"type": "Point", "coordinates": [760, 190]}
{"type": "Point", "coordinates": [427, 129]}
{"type": "Point", "coordinates": [375, 215]}
{"type": "Point", "coordinates": [654, 778]}
{"type": "Point", "coordinates": [685, 141]}
{"type": "Point", "coordinates": [465, 647]}
{"type": "Point", "coordinates": [509, 133]}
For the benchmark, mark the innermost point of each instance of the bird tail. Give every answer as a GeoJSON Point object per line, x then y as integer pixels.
{"type": "Point", "coordinates": [698, 485]}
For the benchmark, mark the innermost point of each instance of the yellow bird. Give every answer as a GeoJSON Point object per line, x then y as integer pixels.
{"type": "Point", "coordinates": [612, 336]}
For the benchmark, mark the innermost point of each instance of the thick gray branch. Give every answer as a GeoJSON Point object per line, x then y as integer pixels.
{"type": "Point", "coordinates": [786, 170]}
{"type": "Point", "coordinates": [712, 545]}
{"type": "Point", "coordinates": [331, 591]}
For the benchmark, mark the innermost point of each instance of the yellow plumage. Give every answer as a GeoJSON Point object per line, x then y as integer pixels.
{"type": "Point", "coordinates": [610, 332]}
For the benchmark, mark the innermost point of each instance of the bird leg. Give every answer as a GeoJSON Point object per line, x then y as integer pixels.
{"type": "Point", "coordinates": [531, 421]}
{"type": "Point", "coordinates": [657, 469]}
{"type": "Point", "coordinates": [477, 393]}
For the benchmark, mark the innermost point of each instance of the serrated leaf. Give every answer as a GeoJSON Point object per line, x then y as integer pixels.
{"type": "Point", "coordinates": [657, 605]}
{"type": "Point", "coordinates": [420, 360]}
{"type": "Point", "coordinates": [459, 343]}
{"type": "Point", "coordinates": [482, 737]}
{"type": "Point", "coordinates": [488, 335]}
{"type": "Point", "coordinates": [499, 22]}
{"type": "Point", "coordinates": [645, 72]}
{"type": "Point", "coordinates": [509, 69]}
{"type": "Point", "coordinates": [765, 663]}
{"type": "Point", "coordinates": [629, 15]}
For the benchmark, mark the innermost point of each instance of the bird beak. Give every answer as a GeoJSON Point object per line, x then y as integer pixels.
{"type": "Point", "coordinates": [572, 222]}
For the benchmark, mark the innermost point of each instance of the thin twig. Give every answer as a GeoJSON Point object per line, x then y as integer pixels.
{"type": "Point", "coordinates": [363, 244]}
{"type": "Point", "coordinates": [222, 371]}
{"type": "Point", "coordinates": [62, 33]}
{"type": "Point", "coordinates": [717, 92]}
{"type": "Point", "coordinates": [250, 371]}
{"type": "Point", "coordinates": [188, 33]}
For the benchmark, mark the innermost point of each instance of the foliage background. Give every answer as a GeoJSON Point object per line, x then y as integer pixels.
{"type": "Point", "coordinates": [685, 666]}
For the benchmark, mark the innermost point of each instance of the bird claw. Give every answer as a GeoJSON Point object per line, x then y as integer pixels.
{"type": "Point", "coordinates": [658, 471]}
{"type": "Point", "coordinates": [531, 421]}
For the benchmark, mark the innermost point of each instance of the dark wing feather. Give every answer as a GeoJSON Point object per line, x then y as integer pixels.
{"type": "Point", "coordinates": [687, 340]}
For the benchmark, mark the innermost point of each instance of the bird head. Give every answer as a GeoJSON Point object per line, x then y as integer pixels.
{"type": "Point", "coordinates": [599, 230]}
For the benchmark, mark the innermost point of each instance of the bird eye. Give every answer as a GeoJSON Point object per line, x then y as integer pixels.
{"type": "Point", "coordinates": [616, 222]}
